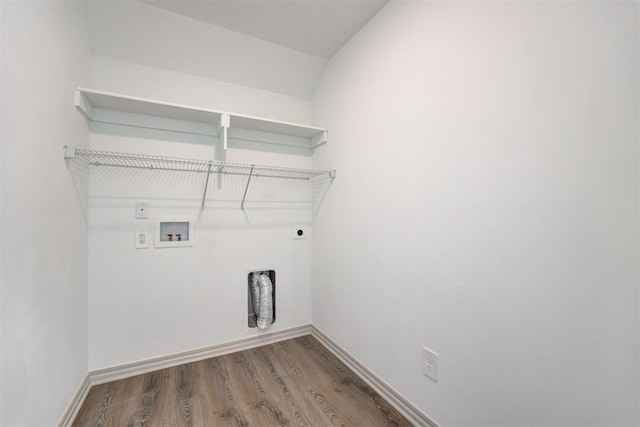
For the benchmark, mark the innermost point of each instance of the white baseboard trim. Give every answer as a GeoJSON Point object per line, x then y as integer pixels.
{"type": "Point", "coordinates": [127, 370]}
{"type": "Point", "coordinates": [78, 399]}
{"type": "Point", "coordinates": [408, 410]}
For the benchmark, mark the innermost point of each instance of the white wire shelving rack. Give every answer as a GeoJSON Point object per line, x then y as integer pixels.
{"type": "Point", "coordinates": [208, 167]}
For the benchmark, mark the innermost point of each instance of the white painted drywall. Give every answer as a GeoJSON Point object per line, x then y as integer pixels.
{"type": "Point", "coordinates": [45, 53]}
{"type": "Point", "coordinates": [151, 302]}
{"type": "Point", "coordinates": [135, 32]}
{"type": "Point", "coordinates": [1, 142]}
{"type": "Point", "coordinates": [112, 75]}
{"type": "Point", "coordinates": [487, 207]}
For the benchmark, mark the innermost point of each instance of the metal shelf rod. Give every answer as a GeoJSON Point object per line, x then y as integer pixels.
{"type": "Point", "coordinates": [206, 184]}
{"type": "Point", "coordinates": [244, 196]}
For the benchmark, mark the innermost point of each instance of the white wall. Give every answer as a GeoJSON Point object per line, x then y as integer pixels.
{"type": "Point", "coordinates": [1, 144]}
{"type": "Point", "coordinates": [135, 32]}
{"type": "Point", "coordinates": [151, 302]}
{"type": "Point", "coordinates": [486, 207]}
{"type": "Point", "coordinates": [45, 53]}
{"type": "Point", "coordinates": [154, 83]}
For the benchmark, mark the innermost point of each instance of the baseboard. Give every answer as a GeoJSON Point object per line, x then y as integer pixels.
{"type": "Point", "coordinates": [78, 399]}
{"type": "Point", "coordinates": [118, 372]}
{"type": "Point", "coordinates": [408, 410]}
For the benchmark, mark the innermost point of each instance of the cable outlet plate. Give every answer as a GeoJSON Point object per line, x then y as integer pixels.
{"type": "Point", "coordinates": [430, 363]}
{"type": "Point", "coordinates": [142, 210]}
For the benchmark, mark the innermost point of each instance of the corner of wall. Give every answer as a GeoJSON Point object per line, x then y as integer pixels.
{"type": "Point", "coordinates": [1, 198]}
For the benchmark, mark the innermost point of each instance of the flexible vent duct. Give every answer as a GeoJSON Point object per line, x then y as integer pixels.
{"type": "Point", "coordinates": [262, 292]}
{"type": "Point", "coordinates": [255, 293]}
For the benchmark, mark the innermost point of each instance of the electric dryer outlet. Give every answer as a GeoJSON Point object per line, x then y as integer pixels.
{"type": "Point", "coordinates": [300, 233]}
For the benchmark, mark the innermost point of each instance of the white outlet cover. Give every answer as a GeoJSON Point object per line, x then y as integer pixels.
{"type": "Point", "coordinates": [142, 239]}
{"type": "Point", "coordinates": [430, 363]}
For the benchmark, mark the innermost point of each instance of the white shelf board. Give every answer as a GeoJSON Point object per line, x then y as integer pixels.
{"type": "Point", "coordinates": [89, 99]}
{"type": "Point", "coordinates": [132, 104]}
{"type": "Point", "coordinates": [273, 126]}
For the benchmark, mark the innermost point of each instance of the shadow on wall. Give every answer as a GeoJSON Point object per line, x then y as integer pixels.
{"type": "Point", "coordinates": [80, 174]}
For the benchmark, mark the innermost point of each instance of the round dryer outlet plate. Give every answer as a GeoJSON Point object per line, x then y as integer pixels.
{"type": "Point", "coordinates": [300, 233]}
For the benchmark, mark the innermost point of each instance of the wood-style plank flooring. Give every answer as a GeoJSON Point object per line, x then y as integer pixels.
{"type": "Point", "coordinates": [292, 383]}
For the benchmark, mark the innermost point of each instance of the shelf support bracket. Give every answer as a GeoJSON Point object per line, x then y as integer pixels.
{"type": "Point", "coordinates": [223, 136]}
{"type": "Point", "coordinates": [244, 196]}
{"type": "Point", "coordinates": [69, 153]}
{"type": "Point", "coordinates": [318, 140]}
{"type": "Point", "coordinates": [206, 185]}
{"type": "Point", "coordinates": [83, 104]}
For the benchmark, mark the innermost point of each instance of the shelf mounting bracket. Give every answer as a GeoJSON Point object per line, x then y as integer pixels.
{"type": "Point", "coordinates": [244, 196]}
{"type": "Point", "coordinates": [318, 140]}
{"type": "Point", "coordinates": [69, 153]}
{"type": "Point", "coordinates": [206, 185]}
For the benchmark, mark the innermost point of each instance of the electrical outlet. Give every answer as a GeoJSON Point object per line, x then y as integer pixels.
{"type": "Point", "coordinates": [430, 363]}
{"type": "Point", "coordinates": [141, 239]}
{"type": "Point", "coordinates": [142, 210]}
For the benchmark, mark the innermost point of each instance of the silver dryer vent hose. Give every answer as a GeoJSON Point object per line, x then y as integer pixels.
{"type": "Point", "coordinates": [262, 292]}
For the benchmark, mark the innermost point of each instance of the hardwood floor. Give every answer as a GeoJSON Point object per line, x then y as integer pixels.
{"type": "Point", "coordinates": [292, 383]}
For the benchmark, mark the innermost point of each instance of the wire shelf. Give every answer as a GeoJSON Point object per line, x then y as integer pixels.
{"type": "Point", "coordinates": [142, 161]}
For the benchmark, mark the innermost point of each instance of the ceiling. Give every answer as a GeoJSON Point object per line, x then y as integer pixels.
{"type": "Point", "coordinates": [316, 27]}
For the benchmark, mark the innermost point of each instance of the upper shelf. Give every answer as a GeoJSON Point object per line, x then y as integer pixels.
{"type": "Point", "coordinates": [88, 99]}
{"type": "Point", "coordinates": [227, 128]}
